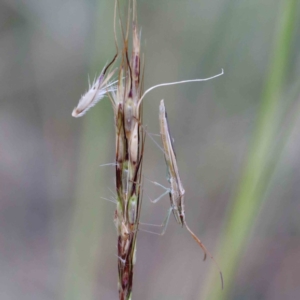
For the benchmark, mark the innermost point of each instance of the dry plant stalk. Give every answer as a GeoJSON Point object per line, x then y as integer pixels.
{"type": "Point", "coordinates": [129, 154]}
{"type": "Point", "coordinates": [126, 95]}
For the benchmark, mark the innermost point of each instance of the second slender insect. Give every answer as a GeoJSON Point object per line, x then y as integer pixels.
{"type": "Point", "coordinates": [176, 191]}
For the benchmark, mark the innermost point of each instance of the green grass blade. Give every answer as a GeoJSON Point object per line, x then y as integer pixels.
{"type": "Point", "coordinates": [256, 174]}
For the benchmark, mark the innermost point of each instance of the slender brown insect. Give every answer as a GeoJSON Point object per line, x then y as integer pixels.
{"type": "Point", "coordinates": [176, 191]}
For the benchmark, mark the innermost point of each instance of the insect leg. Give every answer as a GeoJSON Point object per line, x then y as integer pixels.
{"type": "Point", "coordinates": [167, 191]}
{"type": "Point", "coordinates": [163, 225]}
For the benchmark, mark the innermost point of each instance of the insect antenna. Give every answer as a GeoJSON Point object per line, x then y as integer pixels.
{"type": "Point", "coordinates": [179, 82]}
{"type": "Point", "coordinates": [206, 252]}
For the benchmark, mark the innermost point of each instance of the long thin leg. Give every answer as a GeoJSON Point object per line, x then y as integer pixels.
{"type": "Point", "coordinates": [167, 191]}
{"type": "Point", "coordinates": [158, 184]}
{"type": "Point", "coordinates": [163, 225]}
{"type": "Point", "coordinates": [156, 143]}
{"type": "Point", "coordinates": [153, 140]}
{"type": "Point", "coordinates": [160, 197]}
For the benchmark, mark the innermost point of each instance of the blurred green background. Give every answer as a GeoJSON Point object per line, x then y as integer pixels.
{"type": "Point", "coordinates": [236, 138]}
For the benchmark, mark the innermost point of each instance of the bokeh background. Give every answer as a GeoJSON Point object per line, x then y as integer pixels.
{"type": "Point", "coordinates": [237, 141]}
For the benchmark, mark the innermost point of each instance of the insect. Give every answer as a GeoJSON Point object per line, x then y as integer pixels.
{"type": "Point", "coordinates": [176, 191]}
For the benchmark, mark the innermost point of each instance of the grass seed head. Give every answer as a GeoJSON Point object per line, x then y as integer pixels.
{"type": "Point", "coordinates": [96, 92]}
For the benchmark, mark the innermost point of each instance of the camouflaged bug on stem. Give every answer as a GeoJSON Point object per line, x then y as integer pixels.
{"type": "Point", "coordinates": [126, 95]}
{"type": "Point", "coordinates": [176, 191]}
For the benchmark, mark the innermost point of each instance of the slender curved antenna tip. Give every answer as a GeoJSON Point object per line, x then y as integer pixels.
{"type": "Point", "coordinates": [205, 252]}
{"type": "Point", "coordinates": [178, 82]}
